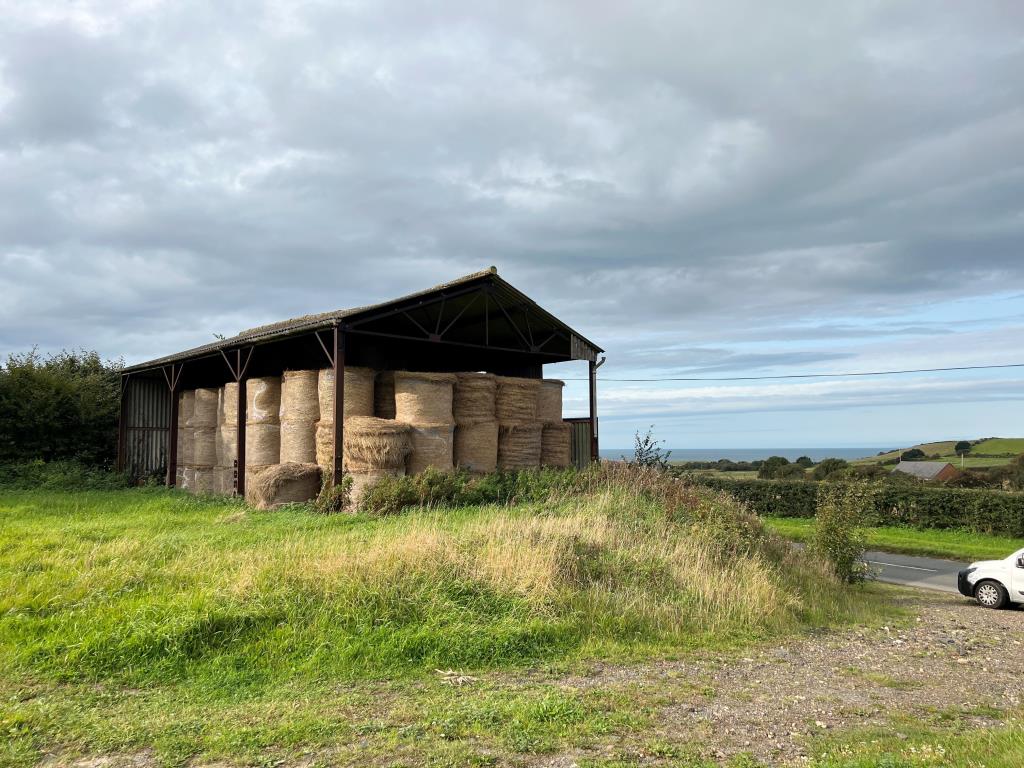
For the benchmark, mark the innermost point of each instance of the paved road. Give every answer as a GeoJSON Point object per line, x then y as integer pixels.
{"type": "Point", "coordinates": [924, 572]}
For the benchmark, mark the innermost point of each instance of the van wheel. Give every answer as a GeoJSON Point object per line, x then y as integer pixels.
{"type": "Point", "coordinates": [991, 594]}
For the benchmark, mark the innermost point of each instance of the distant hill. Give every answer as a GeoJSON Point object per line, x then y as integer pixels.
{"type": "Point", "coordinates": [985, 452]}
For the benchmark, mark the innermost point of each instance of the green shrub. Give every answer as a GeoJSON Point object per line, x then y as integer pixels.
{"type": "Point", "coordinates": [772, 466]}
{"type": "Point", "coordinates": [838, 539]}
{"type": "Point", "coordinates": [64, 406]}
{"type": "Point", "coordinates": [914, 505]}
{"type": "Point", "coordinates": [830, 468]}
{"type": "Point", "coordinates": [63, 475]}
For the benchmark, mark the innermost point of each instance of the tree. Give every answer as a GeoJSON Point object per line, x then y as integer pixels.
{"type": "Point", "coordinates": [64, 406]}
{"type": "Point", "coordinates": [770, 467]}
{"type": "Point", "coordinates": [647, 452]}
{"type": "Point", "coordinates": [912, 454]}
{"type": "Point", "coordinates": [830, 467]}
{"type": "Point", "coordinates": [961, 448]}
{"type": "Point", "coordinates": [789, 472]}
{"type": "Point", "coordinates": [805, 461]}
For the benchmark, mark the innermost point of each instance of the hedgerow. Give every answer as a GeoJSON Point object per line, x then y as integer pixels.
{"type": "Point", "coordinates": [922, 507]}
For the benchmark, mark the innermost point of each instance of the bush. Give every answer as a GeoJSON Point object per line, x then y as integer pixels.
{"type": "Point", "coordinates": [830, 468]}
{"type": "Point", "coordinates": [913, 454]}
{"type": "Point", "coordinates": [647, 452]}
{"type": "Point", "coordinates": [914, 505]}
{"type": "Point", "coordinates": [838, 539]}
{"type": "Point", "coordinates": [790, 472]}
{"type": "Point", "coordinates": [805, 461]}
{"type": "Point", "coordinates": [63, 475]}
{"type": "Point", "coordinates": [64, 406]}
{"type": "Point", "coordinates": [772, 467]}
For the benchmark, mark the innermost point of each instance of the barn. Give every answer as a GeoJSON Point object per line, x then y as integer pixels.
{"type": "Point", "coordinates": [475, 326]}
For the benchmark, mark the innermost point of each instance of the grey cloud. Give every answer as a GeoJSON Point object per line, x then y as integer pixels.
{"type": "Point", "coordinates": [711, 172]}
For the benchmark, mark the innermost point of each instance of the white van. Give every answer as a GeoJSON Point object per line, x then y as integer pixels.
{"type": "Point", "coordinates": [994, 583]}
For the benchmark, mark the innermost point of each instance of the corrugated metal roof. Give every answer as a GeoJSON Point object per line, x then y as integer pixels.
{"type": "Point", "coordinates": [925, 470]}
{"type": "Point", "coordinates": [322, 320]}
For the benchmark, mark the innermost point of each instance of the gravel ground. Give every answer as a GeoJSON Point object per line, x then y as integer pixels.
{"type": "Point", "coordinates": [954, 655]}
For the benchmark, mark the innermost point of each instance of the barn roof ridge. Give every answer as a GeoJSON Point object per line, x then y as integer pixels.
{"type": "Point", "coordinates": [323, 320]}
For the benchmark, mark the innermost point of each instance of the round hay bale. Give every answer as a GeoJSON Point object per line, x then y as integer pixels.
{"type": "Point", "coordinates": [384, 395]}
{"type": "Point", "coordinates": [299, 396]}
{"type": "Point", "coordinates": [224, 480]}
{"type": "Point", "coordinates": [476, 446]}
{"type": "Point", "coordinates": [376, 444]}
{"type": "Point", "coordinates": [298, 442]}
{"type": "Point", "coordinates": [188, 479]}
{"type": "Point", "coordinates": [519, 445]}
{"type": "Point", "coordinates": [186, 446]}
{"type": "Point", "coordinates": [549, 401]}
{"type": "Point", "coordinates": [204, 408]}
{"type": "Point", "coordinates": [205, 480]}
{"type": "Point", "coordinates": [473, 397]}
{"type": "Point", "coordinates": [287, 483]}
{"type": "Point", "coordinates": [262, 444]}
{"type": "Point", "coordinates": [516, 399]}
{"type": "Point", "coordinates": [204, 452]}
{"type": "Point", "coordinates": [229, 404]}
{"type": "Point", "coordinates": [555, 445]}
{"type": "Point", "coordinates": [358, 392]}
{"type": "Point", "coordinates": [325, 445]}
{"type": "Point", "coordinates": [424, 398]}
{"type": "Point", "coordinates": [186, 405]}
{"type": "Point", "coordinates": [227, 445]}
{"type": "Point", "coordinates": [432, 446]}
{"type": "Point", "coordinates": [263, 400]}
{"type": "Point", "coordinates": [366, 479]}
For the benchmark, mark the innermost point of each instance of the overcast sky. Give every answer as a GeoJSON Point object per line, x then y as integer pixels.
{"type": "Point", "coordinates": [706, 189]}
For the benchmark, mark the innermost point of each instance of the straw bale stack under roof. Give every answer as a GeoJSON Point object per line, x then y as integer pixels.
{"type": "Point", "coordinates": [358, 392]}
{"type": "Point", "coordinates": [476, 446]}
{"type": "Point", "coordinates": [376, 444]}
{"type": "Point", "coordinates": [424, 398]}
{"type": "Point", "coordinates": [287, 483]}
{"type": "Point", "coordinates": [432, 447]}
{"type": "Point", "coordinates": [516, 399]}
{"type": "Point", "coordinates": [555, 445]}
{"type": "Point", "coordinates": [263, 400]}
{"type": "Point", "coordinates": [473, 397]}
{"type": "Point", "coordinates": [519, 445]}
{"type": "Point", "coordinates": [384, 395]}
{"type": "Point", "coordinates": [549, 401]}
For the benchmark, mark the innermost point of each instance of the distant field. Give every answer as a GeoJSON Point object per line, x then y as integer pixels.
{"type": "Point", "coordinates": [957, 545]}
{"type": "Point", "coordinates": [995, 452]}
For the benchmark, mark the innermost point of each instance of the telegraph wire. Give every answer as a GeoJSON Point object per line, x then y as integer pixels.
{"type": "Point", "coordinates": [811, 375]}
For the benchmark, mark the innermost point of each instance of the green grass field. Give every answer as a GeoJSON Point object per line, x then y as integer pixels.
{"type": "Point", "coordinates": [952, 544]}
{"type": "Point", "coordinates": [152, 621]}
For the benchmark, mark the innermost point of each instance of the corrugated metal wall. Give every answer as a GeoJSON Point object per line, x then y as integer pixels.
{"type": "Point", "coordinates": [148, 416]}
{"type": "Point", "coordinates": [579, 442]}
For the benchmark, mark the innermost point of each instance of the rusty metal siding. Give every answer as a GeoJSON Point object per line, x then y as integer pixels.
{"type": "Point", "coordinates": [147, 424]}
{"type": "Point", "coordinates": [579, 442]}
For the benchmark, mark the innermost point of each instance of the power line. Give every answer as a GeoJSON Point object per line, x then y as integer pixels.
{"type": "Point", "coordinates": [816, 375]}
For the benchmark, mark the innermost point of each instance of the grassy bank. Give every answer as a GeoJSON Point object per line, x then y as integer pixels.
{"type": "Point", "coordinates": [149, 620]}
{"type": "Point", "coordinates": [953, 544]}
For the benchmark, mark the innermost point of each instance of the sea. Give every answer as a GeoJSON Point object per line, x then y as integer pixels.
{"type": "Point", "coordinates": [750, 454]}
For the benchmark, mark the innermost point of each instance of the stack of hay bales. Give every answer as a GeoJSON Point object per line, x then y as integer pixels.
{"type": "Point", "coordinates": [384, 395]}
{"type": "Point", "coordinates": [424, 402]}
{"type": "Point", "coordinates": [280, 484]}
{"type": "Point", "coordinates": [556, 435]}
{"type": "Point", "coordinates": [519, 433]}
{"type": "Point", "coordinates": [374, 448]}
{"type": "Point", "coordinates": [358, 402]}
{"type": "Point", "coordinates": [227, 439]}
{"type": "Point", "coordinates": [184, 475]}
{"type": "Point", "coordinates": [262, 425]}
{"type": "Point", "coordinates": [476, 427]}
{"type": "Point", "coordinates": [300, 410]}
{"type": "Point", "coordinates": [204, 438]}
